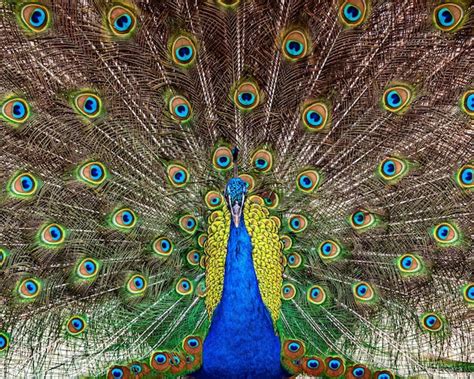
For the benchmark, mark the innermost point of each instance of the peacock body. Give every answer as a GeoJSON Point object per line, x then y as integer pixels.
{"type": "Point", "coordinates": [236, 189]}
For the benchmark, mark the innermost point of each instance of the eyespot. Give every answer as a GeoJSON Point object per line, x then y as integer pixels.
{"type": "Point", "coordinates": [188, 224]}
{"type": "Point", "coordinates": [24, 185]}
{"type": "Point", "coordinates": [358, 371]}
{"type": "Point", "coordinates": [307, 181]}
{"type": "Point", "coordinates": [392, 169]}
{"type": "Point", "coordinates": [4, 341]}
{"type": "Point", "coordinates": [122, 21]}
{"type": "Point", "coordinates": [313, 366]}
{"type": "Point", "coordinates": [249, 181]}
{"type": "Point", "coordinates": [409, 264]}
{"type": "Point", "coordinates": [464, 176]}
{"type": "Point", "coordinates": [446, 234]}
{"type": "Point", "coordinates": [93, 173]}
{"type": "Point", "coordinates": [178, 363]}
{"type": "Point", "coordinates": [160, 361]}
{"type": "Point", "coordinates": [35, 17]}
{"type": "Point", "coordinates": [329, 249]}
{"type": "Point", "coordinates": [3, 255]}
{"type": "Point", "coordinates": [88, 104]}
{"type": "Point", "coordinates": [468, 292]}
{"type": "Point", "coordinates": [202, 239]}
{"type": "Point", "coordinates": [184, 287]}
{"type": "Point", "coordinates": [177, 175]}
{"type": "Point", "coordinates": [180, 108]}
{"type": "Point", "coordinates": [467, 102]}
{"type": "Point", "coordinates": [162, 246]}
{"type": "Point", "coordinates": [118, 372]}
{"type": "Point", "coordinates": [136, 368]}
{"type": "Point", "coordinates": [297, 223]}
{"type": "Point", "coordinates": [262, 160]}
{"type": "Point", "coordinates": [88, 268]}
{"type": "Point", "coordinates": [295, 45]}
{"type": "Point", "coordinates": [246, 96]}
{"type": "Point", "coordinates": [184, 51]}
{"type": "Point", "coordinates": [16, 110]}
{"type": "Point", "coordinates": [201, 290]}
{"type": "Point", "coordinates": [52, 235]}
{"type": "Point", "coordinates": [447, 17]}
{"type": "Point", "coordinates": [213, 200]}
{"type": "Point", "coordinates": [363, 291]}
{"type": "Point", "coordinates": [294, 260]}
{"type": "Point", "coordinates": [362, 219]}
{"type": "Point", "coordinates": [192, 345]}
{"type": "Point", "coordinates": [270, 199]}
{"type": "Point", "coordinates": [222, 158]}
{"type": "Point", "coordinates": [124, 219]}
{"type": "Point", "coordinates": [29, 288]}
{"type": "Point", "coordinates": [352, 13]}
{"type": "Point", "coordinates": [431, 322]}
{"type": "Point", "coordinates": [316, 295]}
{"type": "Point", "coordinates": [384, 374]}
{"type": "Point", "coordinates": [315, 116]}
{"type": "Point", "coordinates": [396, 98]}
{"type": "Point", "coordinates": [136, 284]}
{"type": "Point", "coordinates": [76, 325]}
{"type": "Point", "coordinates": [193, 257]}
{"type": "Point", "coordinates": [293, 349]}
{"type": "Point", "coordinates": [288, 291]}
{"type": "Point", "coordinates": [286, 242]}
{"type": "Point", "coordinates": [334, 366]}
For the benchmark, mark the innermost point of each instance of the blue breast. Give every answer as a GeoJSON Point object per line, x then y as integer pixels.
{"type": "Point", "coordinates": [241, 342]}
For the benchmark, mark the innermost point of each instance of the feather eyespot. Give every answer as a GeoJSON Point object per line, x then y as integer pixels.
{"type": "Point", "coordinates": [316, 295]}
{"type": "Point", "coordinates": [467, 102]}
{"type": "Point", "coordinates": [246, 96]}
{"type": "Point", "coordinates": [121, 21]}
{"type": "Point", "coordinates": [468, 293]}
{"type": "Point", "coordinates": [352, 13]}
{"type": "Point", "coordinates": [35, 17]}
{"type": "Point", "coordinates": [307, 181]}
{"type": "Point", "coordinates": [160, 361]}
{"type": "Point", "coordinates": [162, 246]}
{"type": "Point", "coordinates": [16, 110]}
{"type": "Point", "coordinates": [295, 45]}
{"type": "Point", "coordinates": [362, 219]}
{"type": "Point", "coordinates": [24, 185]}
{"type": "Point", "coordinates": [270, 199]}
{"type": "Point", "coordinates": [29, 288]}
{"type": "Point", "coordinates": [52, 235]}
{"type": "Point", "coordinates": [465, 176]}
{"type": "Point", "coordinates": [358, 371]}
{"type": "Point", "coordinates": [334, 366]}
{"type": "Point", "coordinates": [3, 255]}
{"type": "Point", "coordinates": [214, 200]}
{"type": "Point", "coordinates": [384, 374]}
{"type": "Point", "coordinates": [409, 264]}
{"type": "Point", "coordinates": [293, 349]}
{"type": "Point", "coordinates": [249, 181]}
{"type": "Point", "coordinates": [286, 242]}
{"type": "Point", "coordinates": [202, 239]}
{"type": "Point", "coordinates": [222, 158]}
{"type": "Point", "coordinates": [446, 234]}
{"type": "Point", "coordinates": [180, 108]}
{"type": "Point", "coordinates": [431, 322]}
{"type": "Point", "coordinates": [329, 249]}
{"type": "Point", "coordinates": [4, 341]}
{"type": "Point", "coordinates": [124, 219]}
{"type": "Point", "coordinates": [294, 260]}
{"type": "Point", "coordinates": [315, 116]}
{"type": "Point", "coordinates": [297, 223]}
{"type": "Point", "coordinates": [136, 284]}
{"type": "Point", "coordinates": [93, 173]}
{"type": "Point", "coordinates": [201, 289]}
{"type": "Point", "coordinates": [184, 286]}
{"type": "Point", "coordinates": [448, 17]}
{"type": "Point", "coordinates": [88, 104]}
{"type": "Point", "coordinates": [288, 291]}
{"type": "Point", "coordinates": [363, 292]}
{"type": "Point", "coordinates": [262, 160]}
{"type": "Point", "coordinates": [193, 257]}
{"type": "Point", "coordinates": [397, 98]}
{"type": "Point", "coordinates": [313, 366]}
{"type": "Point", "coordinates": [88, 268]}
{"type": "Point", "coordinates": [76, 325]}
{"type": "Point", "coordinates": [192, 345]}
{"type": "Point", "coordinates": [177, 175]}
{"type": "Point", "coordinates": [188, 224]}
{"type": "Point", "coordinates": [183, 51]}
{"type": "Point", "coordinates": [118, 372]}
{"type": "Point", "coordinates": [392, 169]}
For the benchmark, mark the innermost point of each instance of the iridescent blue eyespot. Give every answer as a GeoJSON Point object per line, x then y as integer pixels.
{"type": "Point", "coordinates": [261, 164]}
{"type": "Point", "coordinates": [91, 105]}
{"type": "Point", "coordinates": [389, 168]}
{"type": "Point", "coordinates": [136, 368]}
{"type": "Point", "coordinates": [117, 373]}
{"type": "Point", "coordinates": [18, 110]}
{"type": "Point", "coordinates": [31, 287]}
{"type": "Point", "coordinates": [313, 363]}
{"type": "Point", "coordinates": [246, 98]}
{"type": "Point", "coordinates": [358, 372]}
{"type": "Point", "coordinates": [358, 218]}
{"type": "Point", "coordinates": [313, 118]}
{"type": "Point", "coordinates": [294, 346]}
{"type": "Point", "coordinates": [139, 283]}
{"type": "Point", "coordinates": [165, 245]}
{"type": "Point", "coordinates": [443, 232]}
{"type": "Point", "coordinates": [334, 364]}
{"type": "Point", "coordinates": [56, 233]}
{"type": "Point", "coordinates": [38, 17]}
{"type": "Point", "coordinates": [160, 358]}
{"type": "Point", "coordinates": [467, 176]}
{"type": "Point", "coordinates": [305, 182]}
{"type": "Point", "coordinates": [127, 218]}
{"type": "Point", "coordinates": [295, 223]}
{"type": "Point", "coordinates": [383, 376]}
{"type": "Point", "coordinates": [407, 262]}
{"type": "Point", "coordinates": [362, 290]}
{"type": "Point", "coordinates": [352, 13]}
{"type": "Point", "coordinates": [445, 17]}
{"type": "Point", "coordinates": [179, 176]}
{"type": "Point", "coordinates": [393, 99]}
{"type": "Point", "coordinates": [96, 172]}
{"type": "Point", "coordinates": [182, 110]}
{"type": "Point", "coordinates": [469, 101]}
{"type": "Point", "coordinates": [223, 161]}
{"type": "Point", "coordinates": [184, 53]}
{"type": "Point", "coordinates": [123, 23]}
{"type": "Point", "coordinates": [326, 249]}
{"type": "Point", "coordinates": [294, 48]}
{"type": "Point", "coordinates": [3, 342]}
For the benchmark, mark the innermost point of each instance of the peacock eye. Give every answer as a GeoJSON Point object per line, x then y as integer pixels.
{"type": "Point", "coordinates": [136, 284]}
{"type": "Point", "coordinates": [288, 291]}
{"type": "Point", "coordinates": [286, 242]}
{"type": "Point", "coordinates": [316, 295]}
{"type": "Point", "coordinates": [447, 17]}
{"type": "Point", "coordinates": [88, 105]}
{"type": "Point", "coordinates": [76, 325]}
{"type": "Point", "coordinates": [16, 110]}
{"type": "Point", "coordinates": [121, 21]}
{"type": "Point", "coordinates": [335, 366]}
{"type": "Point", "coordinates": [297, 223]}
{"type": "Point", "coordinates": [222, 158]}
{"type": "Point", "coordinates": [431, 322]}
{"type": "Point", "coordinates": [246, 96]}
{"type": "Point", "coordinates": [192, 345]}
{"type": "Point", "coordinates": [294, 260]}
{"type": "Point", "coordinates": [184, 287]}
{"type": "Point", "coordinates": [362, 219]}
{"type": "Point", "coordinates": [160, 361]}
{"type": "Point", "coordinates": [188, 224]}
{"type": "Point", "coordinates": [177, 175]}
{"type": "Point", "coordinates": [124, 219]}
{"type": "Point", "coordinates": [293, 349]}
{"type": "Point", "coordinates": [308, 181]}
{"type": "Point", "coordinates": [4, 253]}
{"type": "Point", "coordinates": [136, 368]}
{"type": "Point", "coordinates": [295, 45]}
{"type": "Point", "coordinates": [180, 108]}
{"type": "Point", "coordinates": [262, 160]}
{"type": "Point", "coordinates": [52, 235]}
{"type": "Point", "coordinates": [92, 173]}
{"type": "Point", "coordinates": [392, 169]}
{"type": "Point", "coordinates": [24, 185]}
{"type": "Point", "coordinates": [193, 257]}
{"type": "Point", "coordinates": [352, 13]}
{"type": "Point", "coordinates": [35, 17]}
{"type": "Point", "coordinates": [315, 116]}
{"type": "Point", "coordinates": [29, 288]}
{"type": "Point", "coordinates": [409, 264]}
{"type": "Point", "coordinates": [87, 268]}
{"type": "Point", "coordinates": [468, 292]}
{"type": "Point", "coordinates": [213, 200]}
{"type": "Point", "coordinates": [184, 51]}
{"type": "Point", "coordinates": [446, 234]}
{"type": "Point", "coordinates": [467, 102]}
{"type": "Point", "coordinates": [363, 292]}
{"type": "Point", "coordinates": [271, 199]}
{"type": "Point", "coordinates": [329, 249]}
{"type": "Point", "coordinates": [313, 366]}
{"type": "Point", "coordinates": [464, 176]}
{"type": "Point", "coordinates": [4, 341]}
{"type": "Point", "coordinates": [396, 98]}
{"type": "Point", "coordinates": [118, 372]}
{"type": "Point", "coordinates": [162, 246]}
{"type": "Point", "coordinates": [384, 374]}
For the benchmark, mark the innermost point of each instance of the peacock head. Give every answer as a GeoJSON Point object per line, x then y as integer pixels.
{"type": "Point", "coordinates": [235, 192]}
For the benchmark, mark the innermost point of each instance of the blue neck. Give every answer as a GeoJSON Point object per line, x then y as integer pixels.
{"type": "Point", "coordinates": [241, 342]}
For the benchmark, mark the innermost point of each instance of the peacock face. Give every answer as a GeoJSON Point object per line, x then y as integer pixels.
{"type": "Point", "coordinates": [235, 192]}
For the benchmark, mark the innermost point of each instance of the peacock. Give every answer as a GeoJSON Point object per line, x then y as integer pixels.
{"type": "Point", "coordinates": [234, 189]}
